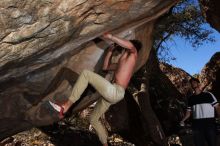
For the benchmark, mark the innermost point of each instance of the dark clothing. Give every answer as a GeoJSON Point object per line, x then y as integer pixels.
{"type": "Point", "coordinates": [200, 123]}
{"type": "Point", "coordinates": [205, 134]}
{"type": "Point", "coordinates": [203, 124]}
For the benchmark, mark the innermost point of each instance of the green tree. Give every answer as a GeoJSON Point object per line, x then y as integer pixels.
{"type": "Point", "coordinates": [183, 20]}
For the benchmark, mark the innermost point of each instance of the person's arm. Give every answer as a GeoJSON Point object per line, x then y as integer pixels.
{"type": "Point", "coordinates": [217, 108]}
{"type": "Point", "coordinates": [215, 104]}
{"type": "Point", "coordinates": [121, 42]}
{"type": "Point", "coordinates": [108, 66]}
{"type": "Point", "coordinates": [108, 58]}
{"type": "Point", "coordinates": [112, 66]}
{"type": "Point", "coordinates": [187, 115]}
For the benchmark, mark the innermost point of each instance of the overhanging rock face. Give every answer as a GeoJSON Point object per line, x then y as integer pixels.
{"type": "Point", "coordinates": [210, 75]}
{"type": "Point", "coordinates": [35, 34]}
{"type": "Point", "coordinates": [43, 43]}
{"type": "Point", "coordinates": [211, 12]}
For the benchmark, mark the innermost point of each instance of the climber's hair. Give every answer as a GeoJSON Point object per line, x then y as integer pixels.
{"type": "Point", "coordinates": [137, 44]}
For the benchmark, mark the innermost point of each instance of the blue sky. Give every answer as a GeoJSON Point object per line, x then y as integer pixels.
{"type": "Point", "coordinates": [191, 60]}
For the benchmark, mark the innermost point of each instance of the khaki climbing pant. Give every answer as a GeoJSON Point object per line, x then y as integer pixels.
{"type": "Point", "coordinates": [111, 93]}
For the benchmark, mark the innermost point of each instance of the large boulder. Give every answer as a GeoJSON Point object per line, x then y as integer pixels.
{"type": "Point", "coordinates": [178, 77]}
{"type": "Point", "coordinates": [210, 9]}
{"type": "Point", "coordinates": [44, 45]}
{"type": "Point", "coordinates": [210, 75]}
